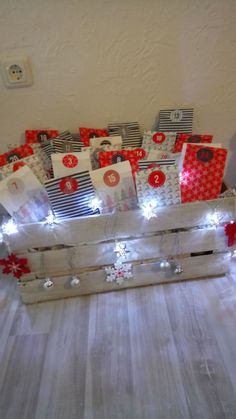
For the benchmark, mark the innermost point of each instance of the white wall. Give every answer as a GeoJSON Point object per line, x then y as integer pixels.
{"type": "Point", "coordinates": [97, 61]}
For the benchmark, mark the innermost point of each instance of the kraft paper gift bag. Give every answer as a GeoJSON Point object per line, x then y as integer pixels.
{"type": "Point", "coordinates": [163, 141]}
{"type": "Point", "coordinates": [160, 185]}
{"type": "Point", "coordinates": [129, 131]}
{"type": "Point", "coordinates": [66, 164]}
{"type": "Point", "coordinates": [174, 120]}
{"type": "Point", "coordinates": [35, 136]}
{"type": "Point", "coordinates": [23, 196]}
{"type": "Point", "coordinates": [115, 188]}
{"type": "Point", "coordinates": [33, 162]}
{"type": "Point", "coordinates": [190, 138]}
{"type": "Point", "coordinates": [71, 196]}
{"type": "Point", "coordinates": [202, 170]}
{"type": "Point", "coordinates": [87, 133]}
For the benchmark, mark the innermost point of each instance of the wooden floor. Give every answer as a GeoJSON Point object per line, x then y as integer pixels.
{"type": "Point", "coordinates": [149, 353]}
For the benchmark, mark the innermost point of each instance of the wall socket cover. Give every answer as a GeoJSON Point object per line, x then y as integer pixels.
{"type": "Point", "coordinates": [16, 71]}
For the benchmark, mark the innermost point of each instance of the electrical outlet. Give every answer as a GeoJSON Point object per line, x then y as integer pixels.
{"type": "Point", "coordinates": [16, 72]}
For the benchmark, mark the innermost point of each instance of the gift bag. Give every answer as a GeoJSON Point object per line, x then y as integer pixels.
{"type": "Point", "coordinates": [159, 185]}
{"type": "Point", "coordinates": [39, 136]}
{"type": "Point", "coordinates": [95, 152]}
{"type": "Point", "coordinates": [66, 164]}
{"type": "Point", "coordinates": [71, 196]}
{"type": "Point", "coordinates": [189, 138]}
{"type": "Point", "coordinates": [33, 162]}
{"type": "Point", "coordinates": [66, 146]}
{"type": "Point", "coordinates": [107, 158]}
{"type": "Point", "coordinates": [23, 196]}
{"type": "Point", "coordinates": [115, 188]}
{"type": "Point", "coordinates": [15, 154]}
{"type": "Point", "coordinates": [202, 170]}
{"type": "Point", "coordinates": [129, 131]}
{"type": "Point", "coordinates": [87, 133]}
{"type": "Point", "coordinates": [162, 141]}
{"type": "Point", "coordinates": [174, 120]}
{"type": "Point", "coordinates": [107, 141]}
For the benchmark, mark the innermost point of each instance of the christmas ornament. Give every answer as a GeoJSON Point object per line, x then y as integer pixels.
{"type": "Point", "coordinates": [14, 265]}
{"type": "Point", "coordinates": [164, 265]}
{"type": "Point", "coordinates": [230, 231]}
{"type": "Point", "coordinates": [120, 250]}
{"type": "Point", "coordinates": [178, 269]}
{"type": "Point", "coordinates": [48, 284]}
{"type": "Point", "coordinates": [119, 272]}
{"type": "Point", "coordinates": [75, 281]}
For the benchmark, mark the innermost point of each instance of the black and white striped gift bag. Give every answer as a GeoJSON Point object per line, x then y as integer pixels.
{"type": "Point", "coordinates": [65, 146]}
{"type": "Point", "coordinates": [129, 131]}
{"type": "Point", "coordinates": [145, 164]}
{"type": "Point", "coordinates": [175, 120]}
{"type": "Point", "coordinates": [71, 196]}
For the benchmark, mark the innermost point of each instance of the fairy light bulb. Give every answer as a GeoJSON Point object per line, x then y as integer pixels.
{"type": "Point", "coordinates": [148, 209]}
{"type": "Point", "coordinates": [95, 203]}
{"type": "Point", "coordinates": [10, 227]}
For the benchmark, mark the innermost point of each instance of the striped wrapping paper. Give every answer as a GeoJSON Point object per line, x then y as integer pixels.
{"type": "Point", "coordinates": [175, 120]}
{"type": "Point", "coordinates": [129, 131]}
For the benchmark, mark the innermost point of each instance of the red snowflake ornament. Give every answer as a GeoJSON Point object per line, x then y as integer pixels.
{"type": "Point", "coordinates": [230, 231]}
{"type": "Point", "coordinates": [15, 266]}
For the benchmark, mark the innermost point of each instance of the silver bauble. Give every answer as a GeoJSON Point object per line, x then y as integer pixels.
{"type": "Point", "coordinates": [75, 281]}
{"type": "Point", "coordinates": [48, 284]}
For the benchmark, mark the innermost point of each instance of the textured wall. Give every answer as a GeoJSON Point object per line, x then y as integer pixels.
{"type": "Point", "coordinates": [96, 61]}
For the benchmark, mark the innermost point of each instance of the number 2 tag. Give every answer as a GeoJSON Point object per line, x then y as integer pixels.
{"type": "Point", "coordinates": [156, 179]}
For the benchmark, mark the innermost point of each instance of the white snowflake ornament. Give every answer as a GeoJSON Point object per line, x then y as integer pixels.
{"type": "Point", "coordinates": [119, 272]}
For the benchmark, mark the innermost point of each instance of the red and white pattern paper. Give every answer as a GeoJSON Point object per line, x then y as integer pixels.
{"type": "Point", "coordinates": [107, 158]}
{"type": "Point", "coordinates": [190, 138]}
{"type": "Point", "coordinates": [39, 136]}
{"type": "Point", "coordinates": [33, 162]}
{"type": "Point", "coordinates": [202, 171]}
{"type": "Point", "coordinates": [15, 154]}
{"type": "Point", "coordinates": [163, 141]}
{"type": "Point", "coordinates": [66, 164]}
{"type": "Point", "coordinates": [115, 188]}
{"type": "Point", "coordinates": [87, 133]}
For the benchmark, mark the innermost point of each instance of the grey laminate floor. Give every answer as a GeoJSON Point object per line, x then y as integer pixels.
{"type": "Point", "coordinates": [148, 353]}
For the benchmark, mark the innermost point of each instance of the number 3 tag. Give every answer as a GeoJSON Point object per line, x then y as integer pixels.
{"type": "Point", "coordinates": [156, 179]}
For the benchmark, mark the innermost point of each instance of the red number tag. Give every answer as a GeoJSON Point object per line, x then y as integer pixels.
{"type": "Point", "coordinates": [111, 178]}
{"type": "Point", "coordinates": [158, 138]}
{"type": "Point", "coordinates": [68, 185]}
{"type": "Point", "coordinates": [70, 161]}
{"type": "Point", "coordinates": [156, 179]}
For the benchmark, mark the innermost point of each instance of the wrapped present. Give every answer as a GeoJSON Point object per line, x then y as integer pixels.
{"type": "Point", "coordinates": [21, 193]}
{"type": "Point", "coordinates": [202, 170]}
{"type": "Point", "coordinates": [87, 133]}
{"type": "Point", "coordinates": [15, 154]}
{"type": "Point", "coordinates": [33, 162]}
{"type": "Point", "coordinates": [174, 120]}
{"type": "Point", "coordinates": [162, 141]}
{"type": "Point", "coordinates": [66, 146]}
{"type": "Point", "coordinates": [107, 158]}
{"type": "Point", "coordinates": [66, 164]}
{"type": "Point", "coordinates": [95, 151]}
{"type": "Point", "coordinates": [39, 136]}
{"type": "Point", "coordinates": [114, 187]}
{"type": "Point", "coordinates": [159, 185]}
{"type": "Point", "coordinates": [189, 138]}
{"type": "Point", "coordinates": [71, 196]}
{"type": "Point", "coordinates": [129, 131]}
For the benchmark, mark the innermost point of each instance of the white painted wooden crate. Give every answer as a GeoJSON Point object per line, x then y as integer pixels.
{"type": "Point", "coordinates": [87, 245]}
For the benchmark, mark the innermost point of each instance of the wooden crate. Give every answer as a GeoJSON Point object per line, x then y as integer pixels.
{"type": "Point", "coordinates": [85, 246]}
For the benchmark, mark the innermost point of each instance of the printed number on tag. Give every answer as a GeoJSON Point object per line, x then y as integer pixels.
{"type": "Point", "coordinates": [111, 178]}
{"type": "Point", "coordinates": [156, 179]}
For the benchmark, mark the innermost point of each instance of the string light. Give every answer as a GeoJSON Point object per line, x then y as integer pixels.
{"type": "Point", "coordinates": [214, 218]}
{"type": "Point", "coordinates": [51, 219]}
{"type": "Point", "coordinates": [148, 209]}
{"type": "Point", "coordinates": [10, 227]}
{"type": "Point", "coordinates": [95, 204]}
{"type": "Point", "coordinates": [120, 250]}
